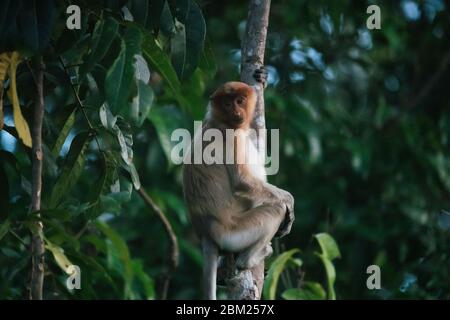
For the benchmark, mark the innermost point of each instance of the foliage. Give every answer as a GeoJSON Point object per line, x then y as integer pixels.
{"type": "Point", "coordinates": [99, 89]}
{"type": "Point", "coordinates": [364, 124]}
{"type": "Point", "coordinates": [304, 290]}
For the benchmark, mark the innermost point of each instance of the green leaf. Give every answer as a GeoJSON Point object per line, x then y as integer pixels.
{"type": "Point", "coordinates": [329, 248]}
{"type": "Point", "coordinates": [94, 97]}
{"type": "Point", "coordinates": [142, 103]}
{"type": "Point", "coordinates": [72, 168]}
{"type": "Point", "coordinates": [105, 32]}
{"type": "Point", "coordinates": [309, 291]}
{"type": "Point", "coordinates": [36, 22]}
{"type": "Point", "coordinates": [58, 233]}
{"type": "Point", "coordinates": [4, 228]}
{"type": "Point", "coordinates": [331, 275]}
{"type": "Point", "coordinates": [277, 266]}
{"type": "Point", "coordinates": [4, 193]}
{"type": "Point", "coordinates": [166, 22]}
{"type": "Point", "coordinates": [8, 157]}
{"type": "Point", "coordinates": [123, 254]}
{"type": "Point", "coordinates": [125, 150]}
{"type": "Point", "coordinates": [107, 119]}
{"type": "Point", "coordinates": [119, 78]}
{"type": "Point", "coordinates": [146, 281]}
{"type": "Point", "coordinates": [9, 33]}
{"type": "Point", "coordinates": [98, 189]}
{"type": "Point", "coordinates": [68, 125]}
{"type": "Point", "coordinates": [59, 214]}
{"type": "Point", "coordinates": [330, 251]}
{"type": "Point", "coordinates": [159, 60]}
{"type": "Point", "coordinates": [94, 265]}
{"type": "Point", "coordinates": [140, 10]}
{"type": "Point", "coordinates": [166, 120]}
{"type": "Point", "coordinates": [134, 176]}
{"type": "Point", "coordinates": [207, 60]}
{"type": "Point", "coordinates": [188, 41]}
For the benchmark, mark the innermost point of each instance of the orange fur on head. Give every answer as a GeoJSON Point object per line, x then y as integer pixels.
{"type": "Point", "coordinates": [226, 109]}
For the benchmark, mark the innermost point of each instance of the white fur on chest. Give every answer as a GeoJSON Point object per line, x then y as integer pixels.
{"type": "Point", "coordinates": [256, 161]}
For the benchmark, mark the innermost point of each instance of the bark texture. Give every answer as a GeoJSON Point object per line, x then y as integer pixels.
{"type": "Point", "coordinates": [37, 239]}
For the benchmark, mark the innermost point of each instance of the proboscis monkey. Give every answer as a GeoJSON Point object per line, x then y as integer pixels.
{"type": "Point", "coordinates": [232, 206]}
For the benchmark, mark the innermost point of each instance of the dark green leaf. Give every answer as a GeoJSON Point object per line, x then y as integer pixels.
{"type": "Point", "coordinates": [105, 32]}
{"type": "Point", "coordinates": [68, 125]}
{"type": "Point", "coordinates": [161, 62]}
{"type": "Point", "coordinates": [36, 21]}
{"type": "Point", "coordinates": [119, 77]}
{"type": "Point", "coordinates": [4, 228]}
{"type": "Point", "coordinates": [187, 44]}
{"type": "Point", "coordinates": [146, 281]}
{"type": "Point", "coordinates": [121, 248]}
{"type": "Point", "coordinates": [72, 169]}
{"type": "Point", "coordinates": [166, 120]}
{"type": "Point", "coordinates": [167, 23]}
{"type": "Point", "coordinates": [207, 61]}
{"type": "Point", "coordinates": [9, 33]}
{"type": "Point", "coordinates": [156, 8]}
{"type": "Point", "coordinates": [4, 193]}
{"type": "Point", "coordinates": [97, 189]}
{"type": "Point", "coordinates": [140, 10]}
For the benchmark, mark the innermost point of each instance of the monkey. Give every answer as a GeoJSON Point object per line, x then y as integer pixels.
{"type": "Point", "coordinates": [232, 207]}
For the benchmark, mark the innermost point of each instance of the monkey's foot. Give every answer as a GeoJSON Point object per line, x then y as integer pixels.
{"type": "Point", "coordinates": [261, 75]}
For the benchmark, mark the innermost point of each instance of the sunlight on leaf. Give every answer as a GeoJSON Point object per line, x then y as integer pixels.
{"type": "Point", "coordinates": [273, 275]}
{"type": "Point", "coordinates": [19, 121]}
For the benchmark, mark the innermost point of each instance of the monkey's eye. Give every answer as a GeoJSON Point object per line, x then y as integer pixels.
{"type": "Point", "coordinates": [228, 104]}
{"type": "Point", "coordinates": [240, 100]}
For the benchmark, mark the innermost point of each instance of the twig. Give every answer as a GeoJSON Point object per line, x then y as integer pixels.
{"type": "Point", "coordinates": [174, 251]}
{"type": "Point", "coordinates": [37, 241]}
{"type": "Point", "coordinates": [80, 103]}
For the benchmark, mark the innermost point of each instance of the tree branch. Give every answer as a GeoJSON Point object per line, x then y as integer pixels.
{"type": "Point", "coordinates": [37, 242]}
{"type": "Point", "coordinates": [174, 251]}
{"type": "Point", "coordinates": [247, 284]}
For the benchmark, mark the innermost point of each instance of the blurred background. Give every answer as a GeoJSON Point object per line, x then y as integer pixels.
{"type": "Point", "coordinates": [364, 131]}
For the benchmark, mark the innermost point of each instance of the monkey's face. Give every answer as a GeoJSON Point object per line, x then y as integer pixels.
{"type": "Point", "coordinates": [233, 104]}
{"type": "Point", "coordinates": [234, 110]}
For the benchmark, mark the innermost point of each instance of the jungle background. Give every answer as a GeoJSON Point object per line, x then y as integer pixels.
{"type": "Point", "coordinates": [364, 131]}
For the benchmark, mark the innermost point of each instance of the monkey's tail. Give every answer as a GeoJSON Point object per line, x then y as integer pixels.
{"type": "Point", "coordinates": [211, 257]}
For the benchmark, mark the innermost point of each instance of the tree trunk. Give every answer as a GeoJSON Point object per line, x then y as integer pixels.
{"type": "Point", "coordinates": [37, 242]}
{"type": "Point", "coordinates": [248, 284]}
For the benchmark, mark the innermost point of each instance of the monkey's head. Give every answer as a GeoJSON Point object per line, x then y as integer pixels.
{"type": "Point", "coordinates": [233, 104]}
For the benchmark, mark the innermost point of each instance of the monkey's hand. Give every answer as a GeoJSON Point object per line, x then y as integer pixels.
{"type": "Point", "coordinates": [286, 224]}
{"type": "Point", "coordinates": [261, 75]}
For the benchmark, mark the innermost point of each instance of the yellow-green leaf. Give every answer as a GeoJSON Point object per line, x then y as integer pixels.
{"type": "Point", "coordinates": [19, 121]}
{"type": "Point", "coordinates": [60, 258]}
